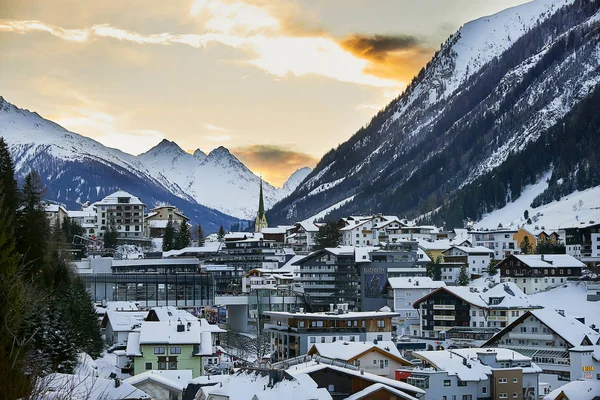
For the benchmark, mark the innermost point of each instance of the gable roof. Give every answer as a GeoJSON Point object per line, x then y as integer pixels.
{"type": "Point", "coordinates": [587, 389]}
{"type": "Point", "coordinates": [82, 387]}
{"type": "Point", "coordinates": [549, 260]}
{"type": "Point", "coordinates": [367, 392]}
{"type": "Point", "coordinates": [312, 366]}
{"type": "Point", "coordinates": [351, 351]}
{"type": "Point", "coordinates": [471, 250]}
{"type": "Point", "coordinates": [509, 294]}
{"type": "Point", "coordinates": [124, 321]}
{"type": "Point", "coordinates": [571, 330]}
{"type": "Point", "coordinates": [173, 379]}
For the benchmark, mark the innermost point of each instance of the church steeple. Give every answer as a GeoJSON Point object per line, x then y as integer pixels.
{"type": "Point", "coordinates": [261, 216]}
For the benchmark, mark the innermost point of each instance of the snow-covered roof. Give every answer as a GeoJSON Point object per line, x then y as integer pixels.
{"type": "Point", "coordinates": [209, 247]}
{"type": "Point", "coordinates": [423, 257]}
{"type": "Point", "coordinates": [414, 282]}
{"type": "Point", "coordinates": [567, 327]}
{"type": "Point", "coordinates": [280, 230]}
{"type": "Point", "coordinates": [549, 260]}
{"type": "Point", "coordinates": [471, 250]}
{"type": "Point", "coordinates": [586, 389]}
{"type": "Point", "coordinates": [312, 366]}
{"type": "Point", "coordinates": [81, 213]}
{"type": "Point", "coordinates": [465, 364]}
{"type": "Point", "coordinates": [166, 313]}
{"type": "Point", "coordinates": [133, 345]}
{"type": "Point", "coordinates": [508, 293]}
{"type": "Point", "coordinates": [125, 321]}
{"type": "Point", "coordinates": [292, 261]}
{"type": "Point", "coordinates": [441, 244]}
{"type": "Point", "coordinates": [174, 379]}
{"type": "Point", "coordinates": [81, 387]}
{"type": "Point", "coordinates": [246, 384]}
{"type": "Point", "coordinates": [309, 226]}
{"type": "Point", "coordinates": [166, 333]}
{"type": "Point", "coordinates": [367, 392]}
{"type": "Point", "coordinates": [113, 199]}
{"type": "Point", "coordinates": [327, 315]}
{"type": "Point", "coordinates": [346, 351]}
{"type": "Point", "coordinates": [54, 208]}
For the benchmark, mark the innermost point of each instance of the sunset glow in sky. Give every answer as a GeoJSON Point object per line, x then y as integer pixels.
{"type": "Point", "coordinates": [279, 83]}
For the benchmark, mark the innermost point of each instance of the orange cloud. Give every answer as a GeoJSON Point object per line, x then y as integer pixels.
{"type": "Point", "coordinates": [275, 163]}
{"type": "Point", "coordinates": [397, 57]}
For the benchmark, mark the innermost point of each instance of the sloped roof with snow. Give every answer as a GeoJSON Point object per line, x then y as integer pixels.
{"type": "Point", "coordinates": [81, 387]}
{"type": "Point", "coordinates": [414, 282]}
{"type": "Point", "coordinates": [245, 384]}
{"type": "Point", "coordinates": [165, 313]}
{"type": "Point", "coordinates": [441, 244]}
{"type": "Point", "coordinates": [123, 321]}
{"type": "Point", "coordinates": [367, 392]}
{"type": "Point", "coordinates": [576, 390]}
{"type": "Point", "coordinates": [166, 333]}
{"type": "Point", "coordinates": [133, 345]}
{"type": "Point", "coordinates": [471, 250]}
{"type": "Point", "coordinates": [346, 351]}
{"type": "Point", "coordinates": [174, 379]}
{"type": "Point", "coordinates": [509, 294]}
{"type": "Point", "coordinates": [114, 199]}
{"type": "Point", "coordinates": [567, 327]}
{"type": "Point", "coordinates": [312, 366]}
{"type": "Point", "coordinates": [465, 364]}
{"type": "Point", "coordinates": [549, 260]}
{"type": "Point", "coordinates": [209, 247]}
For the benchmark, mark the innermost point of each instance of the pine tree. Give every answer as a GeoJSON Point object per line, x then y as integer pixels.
{"type": "Point", "coordinates": [526, 246]}
{"type": "Point", "coordinates": [169, 237]}
{"type": "Point", "coordinates": [183, 237]}
{"type": "Point", "coordinates": [13, 381]}
{"type": "Point", "coordinates": [328, 235]}
{"type": "Point", "coordinates": [80, 310]}
{"type": "Point", "coordinates": [221, 234]}
{"type": "Point", "coordinates": [111, 236]}
{"type": "Point", "coordinates": [201, 237]}
{"type": "Point", "coordinates": [8, 183]}
{"type": "Point", "coordinates": [463, 277]}
{"type": "Point", "coordinates": [32, 226]}
{"type": "Point", "coordinates": [492, 268]}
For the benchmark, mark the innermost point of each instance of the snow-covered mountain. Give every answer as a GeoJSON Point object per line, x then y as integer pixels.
{"type": "Point", "coordinates": [217, 180]}
{"type": "Point", "coordinates": [215, 189]}
{"type": "Point", "coordinates": [465, 136]}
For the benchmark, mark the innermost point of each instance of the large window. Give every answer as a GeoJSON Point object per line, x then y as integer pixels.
{"type": "Point", "coordinates": [175, 350]}
{"type": "Point", "coordinates": [159, 350]}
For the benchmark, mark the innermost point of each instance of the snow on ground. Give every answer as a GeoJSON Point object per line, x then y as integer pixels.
{"type": "Point", "coordinates": [129, 252]}
{"type": "Point", "coordinates": [572, 298]}
{"type": "Point", "coordinates": [107, 364]}
{"type": "Point", "coordinates": [574, 209]}
{"type": "Point", "coordinates": [326, 211]}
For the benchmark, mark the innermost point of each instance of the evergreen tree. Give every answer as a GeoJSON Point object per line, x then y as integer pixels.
{"type": "Point", "coordinates": [169, 237]}
{"type": "Point", "coordinates": [328, 235]}
{"type": "Point", "coordinates": [32, 226]}
{"type": "Point", "coordinates": [221, 234]}
{"type": "Point", "coordinates": [111, 236]}
{"type": "Point", "coordinates": [201, 237]}
{"type": "Point", "coordinates": [526, 246]}
{"type": "Point", "coordinates": [437, 269]}
{"type": "Point", "coordinates": [463, 277]}
{"type": "Point", "coordinates": [492, 268]}
{"type": "Point", "coordinates": [526, 215]}
{"type": "Point", "coordinates": [183, 237]}
{"type": "Point", "coordinates": [14, 383]}
{"type": "Point", "coordinates": [8, 183]}
{"type": "Point", "coordinates": [80, 310]}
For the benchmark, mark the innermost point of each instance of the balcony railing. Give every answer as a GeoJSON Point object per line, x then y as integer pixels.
{"type": "Point", "coordinates": [443, 307]}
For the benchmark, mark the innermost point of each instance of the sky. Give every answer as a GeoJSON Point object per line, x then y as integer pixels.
{"type": "Point", "coordinates": [279, 83]}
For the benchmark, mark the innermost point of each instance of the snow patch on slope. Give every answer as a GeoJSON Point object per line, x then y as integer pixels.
{"type": "Point", "coordinates": [574, 209]}
{"type": "Point", "coordinates": [323, 214]}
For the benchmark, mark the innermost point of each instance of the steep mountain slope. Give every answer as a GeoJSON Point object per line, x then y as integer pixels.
{"type": "Point", "coordinates": [495, 86]}
{"type": "Point", "coordinates": [76, 169]}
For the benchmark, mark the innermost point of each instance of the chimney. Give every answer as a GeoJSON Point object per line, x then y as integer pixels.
{"type": "Point", "coordinates": [331, 307]}
{"type": "Point", "coordinates": [117, 382]}
{"type": "Point", "coordinates": [180, 326]}
{"type": "Point", "coordinates": [542, 257]}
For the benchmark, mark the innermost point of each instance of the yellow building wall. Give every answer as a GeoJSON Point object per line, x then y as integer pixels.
{"type": "Point", "coordinates": [521, 235]}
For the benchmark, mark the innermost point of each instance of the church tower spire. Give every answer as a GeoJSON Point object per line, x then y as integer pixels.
{"type": "Point", "coordinates": [261, 216]}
